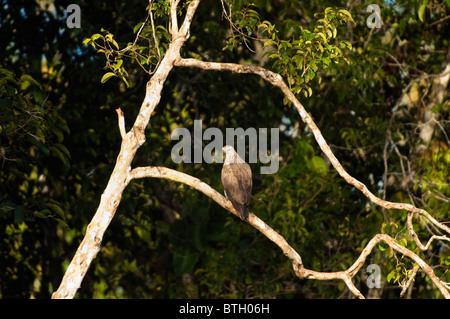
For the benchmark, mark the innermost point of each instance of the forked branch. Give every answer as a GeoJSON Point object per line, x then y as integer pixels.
{"type": "Point", "coordinates": [299, 269]}
{"type": "Point", "coordinates": [276, 80]}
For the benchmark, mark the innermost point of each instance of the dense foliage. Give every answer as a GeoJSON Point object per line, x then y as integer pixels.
{"type": "Point", "coordinates": [369, 91]}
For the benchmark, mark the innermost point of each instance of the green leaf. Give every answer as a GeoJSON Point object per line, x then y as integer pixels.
{"type": "Point", "coordinates": [59, 134]}
{"type": "Point", "coordinates": [126, 82]}
{"type": "Point", "coordinates": [55, 208]}
{"type": "Point", "coordinates": [345, 12]}
{"type": "Point", "coordinates": [96, 36]}
{"type": "Point", "coordinates": [391, 275]}
{"type": "Point", "coordinates": [107, 76]}
{"type": "Point", "coordinates": [137, 27]}
{"type": "Point", "coordinates": [63, 125]}
{"type": "Point", "coordinates": [383, 246]}
{"type": "Point", "coordinates": [326, 61]}
{"type": "Point", "coordinates": [45, 213]}
{"type": "Point", "coordinates": [62, 223]}
{"type": "Point", "coordinates": [328, 9]}
{"type": "Point", "coordinates": [269, 42]}
{"type": "Point", "coordinates": [346, 43]}
{"type": "Point", "coordinates": [39, 96]}
{"type": "Point", "coordinates": [422, 9]}
{"type": "Point", "coordinates": [184, 260]}
{"type": "Point", "coordinates": [115, 44]}
{"type": "Point", "coordinates": [274, 55]}
{"type": "Point", "coordinates": [322, 35]}
{"type": "Point", "coordinates": [63, 149]}
{"type": "Point", "coordinates": [334, 32]}
{"type": "Point", "coordinates": [27, 80]}
{"type": "Point", "coordinates": [60, 155]}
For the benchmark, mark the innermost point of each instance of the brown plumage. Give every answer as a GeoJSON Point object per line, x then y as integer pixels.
{"type": "Point", "coordinates": [237, 181]}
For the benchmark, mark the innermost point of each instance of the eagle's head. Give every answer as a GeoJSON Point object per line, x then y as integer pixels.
{"type": "Point", "coordinates": [231, 156]}
{"type": "Point", "coordinates": [228, 150]}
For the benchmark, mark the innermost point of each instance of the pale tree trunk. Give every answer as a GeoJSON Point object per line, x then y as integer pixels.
{"type": "Point", "coordinates": [131, 141]}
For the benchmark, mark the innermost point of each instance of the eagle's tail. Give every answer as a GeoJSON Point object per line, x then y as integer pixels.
{"type": "Point", "coordinates": [241, 208]}
{"type": "Point", "coordinates": [243, 211]}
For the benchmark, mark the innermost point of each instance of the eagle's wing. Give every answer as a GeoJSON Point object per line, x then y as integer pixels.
{"type": "Point", "coordinates": [237, 184]}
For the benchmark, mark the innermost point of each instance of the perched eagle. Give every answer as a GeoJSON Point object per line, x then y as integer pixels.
{"type": "Point", "coordinates": [236, 180]}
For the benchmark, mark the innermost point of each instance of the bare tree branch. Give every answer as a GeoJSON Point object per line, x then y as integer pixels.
{"type": "Point", "coordinates": [121, 120]}
{"type": "Point", "coordinates": [291, 253]}
{"type": "Point", "coordinates": [410, 281]}
{"type": "Point", "coordinates": [166, 173]}
{"type": "Point", "coordinates": [276, 80]}
{"type": "Point", "coordinates": [414, 236]}
{"type": "Point", "coordinates": [173, 27]}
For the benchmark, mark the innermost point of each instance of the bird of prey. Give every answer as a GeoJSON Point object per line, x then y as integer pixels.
{"type": "Point", "coordinates": [236, 180]}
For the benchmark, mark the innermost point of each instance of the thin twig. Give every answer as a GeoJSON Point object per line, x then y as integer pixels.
{"type": "Point", "coordinates": [408, 284]}
{"type": "Point", "coordinates": [121, 122]}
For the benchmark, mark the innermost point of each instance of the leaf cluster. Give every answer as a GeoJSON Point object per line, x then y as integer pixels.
{"type": "Point", "coordinates": [308, 52]}
{"type": "Point", "coordinates": [146, 50]}
{"type": "Point", "coordinates": [31, 131]}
